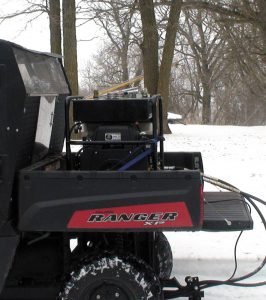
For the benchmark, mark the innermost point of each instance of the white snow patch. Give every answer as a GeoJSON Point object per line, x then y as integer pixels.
{"type": "Point", "coordinates": [143, 283]}
{"type": "Point", "coordinates": [174, 116]}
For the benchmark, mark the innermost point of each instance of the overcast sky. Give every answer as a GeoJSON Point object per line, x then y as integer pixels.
{"type": "Point", "coordinates": [36, 34]}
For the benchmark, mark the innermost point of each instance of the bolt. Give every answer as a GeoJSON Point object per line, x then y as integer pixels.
{"type": "Point", "coordinates": [189, 279]}
{"type": "Point", "coordinates": [17, 130]}
{"type": "Point", "coordinates": [98, 297]}
{"type": "Point", "coordinates": [196, 288]}
{"type": "Point", "coordinates": [8, 128]}
{"type": "Point", "coordinates": [117, 295]}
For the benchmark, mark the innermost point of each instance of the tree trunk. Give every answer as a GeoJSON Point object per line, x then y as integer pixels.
{"type": "Point", "coordinates": [167, 57]}
{"type": "Point", "coordinates": [149, 46]}
{"type": "Point", "coordinates": [206, 105]}
{"type": "Point", "coordinates": [55, 26]}
{"type": "Point", "coordinates": [206, 97]}
{"type": "Point", "coordinates": [70, 44]}
{"type": "Point", "coordinates": [205, 73]}
{"type": "Point", "coordinates": [262, 24]}
{"type": "Point", "coordinates": [124, 64]}
{"type": "Point", "coordinates": [139, 69]}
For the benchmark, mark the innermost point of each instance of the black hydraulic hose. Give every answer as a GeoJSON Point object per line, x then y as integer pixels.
{"type": "Point", "coordinates": [235, 256]}
{"type": "Point", "coordinates": [232, 188]}
{"type": "Point", "coordinates": [264, 261]}
{"type": "Point", "coordinates": [213, 283]}
{"type": "Point", "coordinates": [248, 196]}
{"type": "Point", "coordinates": [220, 183]}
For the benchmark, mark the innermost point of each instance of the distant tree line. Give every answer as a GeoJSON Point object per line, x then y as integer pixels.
{"type": "Point", "coordinates": [206, 58]}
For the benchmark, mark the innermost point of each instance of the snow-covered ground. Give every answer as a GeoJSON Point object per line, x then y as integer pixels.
{"type": "Point", "coordinates": [238, 156]}
{"type": "Point", "coordinates": [220, 269]}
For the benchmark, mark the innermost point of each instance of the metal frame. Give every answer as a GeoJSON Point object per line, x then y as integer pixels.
{"type": "Point", "coordinates": [157, 133]}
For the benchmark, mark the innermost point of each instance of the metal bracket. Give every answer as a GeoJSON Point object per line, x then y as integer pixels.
{"type": "Point", "coordinates": [193, 285]}
{"type": "Point", "coordinates": [191, 290]}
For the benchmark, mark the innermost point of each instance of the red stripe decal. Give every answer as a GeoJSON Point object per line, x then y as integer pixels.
{"type": "Point", "coordinates": [159, 215]}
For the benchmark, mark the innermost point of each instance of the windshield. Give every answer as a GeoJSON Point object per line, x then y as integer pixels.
{"type": "Point", "coordinates": [41, 74]}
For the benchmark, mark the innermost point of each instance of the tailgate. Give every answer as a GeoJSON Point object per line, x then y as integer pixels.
{"type": "Point", "coordinates": [225, 211]}
{"type": "Point", "coordinates": [110, 201]}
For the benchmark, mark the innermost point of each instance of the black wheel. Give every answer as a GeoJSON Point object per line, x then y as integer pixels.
{"type": "Point", "coordinates": [164, 256]}
{"type": "Point", "coordinates": [113, 278]}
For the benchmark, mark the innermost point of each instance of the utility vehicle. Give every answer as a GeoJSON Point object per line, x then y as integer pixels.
{"type": "Point", "coordinates": [88, 223]}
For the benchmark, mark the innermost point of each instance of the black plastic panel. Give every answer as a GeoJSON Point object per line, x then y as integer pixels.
{"type": "Point", "coordinates": [108, 159]}
{"type": "Point", "coordinates": [8, 246]}
{"type": "Point", "coordinates": [28, 131]}
{"type": "Point", "coordinates": [226, 212]}
{"type": "Point", "coordinates": [108, 111]}
{"type": "Point", "coordinates": [184, 160]}
{"type": "Point", "coordinates": [12, 96]}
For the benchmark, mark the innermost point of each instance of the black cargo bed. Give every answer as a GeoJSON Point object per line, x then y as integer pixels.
{"type": "Point", "coordinates": [224, 211]}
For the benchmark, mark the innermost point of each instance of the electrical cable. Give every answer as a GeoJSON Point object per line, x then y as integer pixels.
{"type": "Point", "coordinates": [235, 248]}
{"type": "Point", "coordinates": [235, 256]}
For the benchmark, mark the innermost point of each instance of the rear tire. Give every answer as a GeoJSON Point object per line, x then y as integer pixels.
{"type": "Point", "coordinates": [113, 277]}
{"type": "Point", "coordinates": [164, 256]}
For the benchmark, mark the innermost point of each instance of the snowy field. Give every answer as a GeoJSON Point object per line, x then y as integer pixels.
{"type": "Point", "coordinates": [238, 156]}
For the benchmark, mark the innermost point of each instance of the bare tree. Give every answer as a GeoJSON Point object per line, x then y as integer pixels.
{"type": "Point", "coordinates": [158, 79]}
{"type": "Point", "coordinates": [103, 70]}
{"type": "Point", "coordinates": [55, 26]}
{"type": "Point", "coordinates": [70, 43]}
{"type": "Point", "coordinates": [236, 11]}
{"type": "Point", "coordinates": [167, 56]}
{"type": "Point", "coordinates": [117, 19]}
{"type": "Point", "coordinates": [33, 10]}
{"type": "Point", "coordinates": [248, 67]}
{"type": "Point", "coordinates": [207, 48]}
{"type": "Point", "coordinates": [150, 45]}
